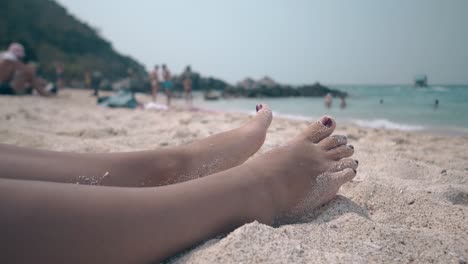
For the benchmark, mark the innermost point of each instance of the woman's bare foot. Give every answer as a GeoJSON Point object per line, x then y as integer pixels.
{"type": "Point", "coordinates": [325, 186]}
{"type": "Point", "coordinates": [290, 173]}
{"type": "Point", "coordinates": [203, 157]}
{"type": "Point", "coordinates": [225, 150]}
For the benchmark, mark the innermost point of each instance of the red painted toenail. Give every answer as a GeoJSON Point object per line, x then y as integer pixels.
{"type": "Point", "coordinates": [258, 107]}
{"type": "Point", "coordinates": [326, 121]}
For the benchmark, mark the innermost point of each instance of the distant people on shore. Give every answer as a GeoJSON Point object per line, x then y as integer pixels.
{"type": "Point", "coordinates": [187, 82]}
{"type": "Point", "coordinates": [17, 78]}
{"type": "Point", "coordinates": [167, 85]}
{"type": "Point", "coordinates": [87, 80]}
{"type": "Point", "coordinates": [154, 78]}
{"type": "Point", "coordinates": [342, 102]}
{"type": "Point", "coordinates": [133, 81]}
{"type": "Point", "coordinates": [436, 103]}
{"type": "Point", "coordinates": [96, 82]}
{"type": "Point", "coordinates": [59, 80]}
{"type": "Point", "coordinates": [381, 101]}
{"type": "Point", "coordinates": [328, 100]}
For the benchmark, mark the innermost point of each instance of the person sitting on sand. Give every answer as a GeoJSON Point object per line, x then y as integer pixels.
{"type": "Point", "coordinates": [167, 83]}
{"type": "Point", "coordinates": [191, 193]}
{"type": "Point", "coordinates": [154, 78]}
{"type": "Point", "coordinates": [17, 78]}
{"type": "Point", "coordinates": [187, 81]}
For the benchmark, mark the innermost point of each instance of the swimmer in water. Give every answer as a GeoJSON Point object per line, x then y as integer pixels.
{"type": "Point", "coordinates": [328, 100]}
{"type": "Point", "coordinates": [342, 102]}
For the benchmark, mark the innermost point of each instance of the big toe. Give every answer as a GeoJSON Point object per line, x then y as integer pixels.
{"type": "Point", "coordinates": [320, 129]}
{"type": "Point", "coordinates": [264, 114]}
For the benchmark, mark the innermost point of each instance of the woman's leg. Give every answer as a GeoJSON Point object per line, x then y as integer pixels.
{"type": "Point", "coordinates": [56, 223]}
{"type": "Point", "coordinates": [144, 168]}
{"type": "Point", "coordinates": [154, 92]}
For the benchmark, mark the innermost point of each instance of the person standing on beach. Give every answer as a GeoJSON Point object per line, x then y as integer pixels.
{"type": "Point", "coordinates": [87, 79]}
{"type": "Point", "coordinates": [167, 83]}
{"type": "Point", "coordinates": [96, 82]}
{"type": "Point", "coordinates": [187, 81]}
{"type": "Point", "coordinates": [154, 77]}
{"type": "Point", "coordinates": [59, 69]}
{"type": "Point", "coordinates": [328, 100]}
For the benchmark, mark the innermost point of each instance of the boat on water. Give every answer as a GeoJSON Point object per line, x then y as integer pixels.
{"type": "Point", "coordinates": [212, 95]}
{"type": "Point", "coordinates": [420, 81]}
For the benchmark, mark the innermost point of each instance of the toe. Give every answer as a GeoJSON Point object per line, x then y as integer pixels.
{"type": "Point", "coordinates": [264, 114]}
{"type": "Point", "coordinates": [333, 142]}
{"type": "Point", "coordinates": [343, 176]}
{"type": "Point", "coordinates": [262, 107]}
{"type": "Point", "coordinates": [340, 152]}
{"type": "Point", "coordinates": [343, 164]}
{"type": "Point", "coordinates": [320, 129]}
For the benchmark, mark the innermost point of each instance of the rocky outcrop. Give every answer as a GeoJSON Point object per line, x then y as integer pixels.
{"type": "Point", "coordinates": [267, 87]}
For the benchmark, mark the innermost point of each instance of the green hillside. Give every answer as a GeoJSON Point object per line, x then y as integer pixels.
{"type": "Point", "coordinates": [49, 33]}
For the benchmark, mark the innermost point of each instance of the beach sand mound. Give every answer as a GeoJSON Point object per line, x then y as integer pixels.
{"type": "Point", "coordinates": [408, 203]}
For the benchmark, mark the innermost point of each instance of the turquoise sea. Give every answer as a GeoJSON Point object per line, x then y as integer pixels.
{"type": "Point", "coordinates": [404, 107]}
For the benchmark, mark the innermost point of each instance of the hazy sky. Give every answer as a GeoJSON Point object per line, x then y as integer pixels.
{"type": "Point", "coordinates": [295, 41]}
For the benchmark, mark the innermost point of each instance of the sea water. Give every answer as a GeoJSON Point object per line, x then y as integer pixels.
{"type": "Point", "coordinates": [403, 107]}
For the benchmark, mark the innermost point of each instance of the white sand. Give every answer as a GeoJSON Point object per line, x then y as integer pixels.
{"type": "Point", "coordinates": [409, 202]}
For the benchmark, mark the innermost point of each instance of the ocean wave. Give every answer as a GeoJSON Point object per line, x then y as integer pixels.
{"type": "Point", "coordinates": [293, 117]}
{"type": "Point", "coordinates": [439, 89]}
{"type": "Point", "coordinates": [386, 124]}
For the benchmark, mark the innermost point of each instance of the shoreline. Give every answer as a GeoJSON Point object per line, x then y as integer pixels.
{"type": "Point", "coordinates": [453, 131]}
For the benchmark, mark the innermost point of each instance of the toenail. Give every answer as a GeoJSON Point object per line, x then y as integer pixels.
{"type": "Point", "coordinates": [355, 171]}
{"type": "Point", "coordinates": [258, 107]}
{"type": "Point", "coordinates": [357, 161]}
{"type": "Point", "coordinates": [326, 121]}
{"type": "Point", "coordinates": [351, 146]}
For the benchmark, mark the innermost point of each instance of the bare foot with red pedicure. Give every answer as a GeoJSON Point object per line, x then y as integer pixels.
{"type": "Point", "coordinates": [305, 173]}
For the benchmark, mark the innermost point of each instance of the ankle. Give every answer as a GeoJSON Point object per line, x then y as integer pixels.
{"type": "Point", "coordinates": [262, 194]}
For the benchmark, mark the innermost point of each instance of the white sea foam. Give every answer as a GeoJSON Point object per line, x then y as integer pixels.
{"type": "Point", "coordinates": [387, 124]}
{"type": "Point", "coordinates": [439, 89]}
{"type": "Point", "coordinates": [282, 115]}
{"type": "Point", "coordinates": [293, 117]}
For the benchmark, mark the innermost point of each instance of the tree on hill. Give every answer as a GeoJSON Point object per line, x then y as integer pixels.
{"type": "Point", "coordinates": [49, 34]}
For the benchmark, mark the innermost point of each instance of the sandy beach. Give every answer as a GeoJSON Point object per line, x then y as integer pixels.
{"type": "Point", "coordinates": [408, 203]}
